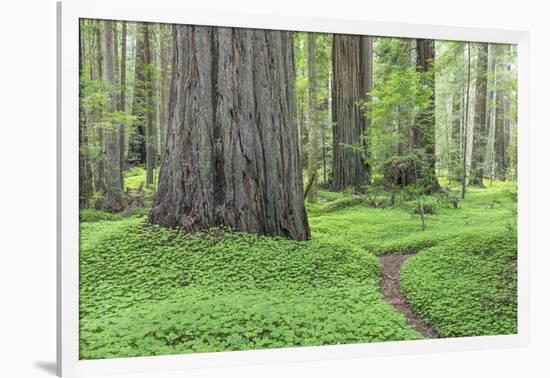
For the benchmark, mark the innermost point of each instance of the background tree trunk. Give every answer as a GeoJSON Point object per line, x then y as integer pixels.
{"type": "Point", "coordinates": [488, 166]}
{"type": "Point", "coordinates": [122, 103]}
{"type": "Point", "coordinates": [231, 156]}
{"type": "Point", "coordinates": [367, 85]}
{"type": "Point", "coordinates": [350, 76]}
{"type": "Point", "coordinates": [86, 189]}
{"type": "Point", "coordinates": [480, 117]}
{"type": "Point", "coordinates": [424, 125]}
{"type": "Point", "coordinates": [150, 135]}
{"type": "Point", "coordinates": [136, 142]}
{"type": "Point", "coordinates": [99, 179]}
{"type": "Point", "coordinates": [313, 148]}
{"type": "Point", "coordinates": [166, 73]}
{"type": "Point", "coordinates": [501, 139]}
{"type": "Point", "coordinates": [465, 141]}
{"type": "Point", "coordinates": [112, 200]}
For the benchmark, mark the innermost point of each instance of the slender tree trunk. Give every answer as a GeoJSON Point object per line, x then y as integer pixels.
{"type": "Point", "coordinates": [122, 103]}
{"type": "Point", "coordinates": [116, 62]}
{"type": "Point", "coordinates": [313, 148]}
{"type": "Point", "coordinates": [456, 133]}
{"type": "Point", "coordinates": [99, 181]}
{"type": "Point", "coordinates": [512, 129]}
{"type": "Point", "coordinates": [166, 73]}
{"type": "Point", "coordinates": [449, 104]}
{"type": "Point", "coordinates": [150, 135]}
{"type": "Point", "coordinates": [488, 166]}
{"type": "Point", "coordinates": [136, 142]}
{"type": "Point", "coordinates": [231, 156]}
{"type": "Point", "coordinates": [350, 76]}
{"type": "Point", "coordinates": [85, 173]}
{"type": "Point", "coordinates": [506, 124]}
{"type": "Point", "coordinates": [465, 143]}
{"type": "Point", "coordinates": [329, 124]}
{"type": "Point", "coordinates": [501, 146]}
{"type": "Point", "coordinates": [112, 200]}
{"type": "Point", "coordinates": [424, 125]}
{"type": "Point", "coordinates": [367, 84]}
{"type": "Point", "coordinates": [480, 117]}
{"type": "Point", "coordinates": [464, 88]}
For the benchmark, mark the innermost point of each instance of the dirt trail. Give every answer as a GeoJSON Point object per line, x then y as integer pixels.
{"type": "Point", "coordinates": [391, 265]}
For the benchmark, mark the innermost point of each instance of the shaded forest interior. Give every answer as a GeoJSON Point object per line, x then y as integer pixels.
{"type": "Point", "coordinates": [371, 115]}
{"type": "Point", "coordinates": [238, 187]}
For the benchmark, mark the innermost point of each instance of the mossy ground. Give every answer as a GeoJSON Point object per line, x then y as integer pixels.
{"type": "Point", "coordinates": [148, 290]}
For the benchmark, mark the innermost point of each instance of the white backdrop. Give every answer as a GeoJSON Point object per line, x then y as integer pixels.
{"type": "Point", "coordinates": [27, 187]}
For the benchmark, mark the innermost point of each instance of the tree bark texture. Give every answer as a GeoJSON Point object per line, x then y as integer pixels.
{"type": "Point", "coordinates": [113, 198]}
{"type": "Point", "coordinates": [424, 125]}
{"type": "Point", "coordinates": [368, 79]}
{"type": "Point", "coordinates": [150, 135]}
{"type": "Point", "coordinates": [465, 141]}
{"type": "Point", "coordinates": [488, 166]}
{"type": "Point", "coordinates": [501, 139]}
{"type": "Point", "coordinates": [231, 156]}
{"type": "Point", "coordinates": [166, 73]}
{"type": "Point", "coordinates": [313, 120]}
{"type": "Point", "coordinates": [480, 117]}
{"type": "Point", "coordinates": [122, 103]}
{"type": "Point", "coordinates": [85, 172]}
{"type": "Point", "coordinates": [350, 64]}
{"type": "Point", "coordinates": [136, 142]}
{"type": "Point", "coordinates": [99, 176]}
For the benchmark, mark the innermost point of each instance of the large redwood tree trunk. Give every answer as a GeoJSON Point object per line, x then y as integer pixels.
{"type": "Point", "coordinates": [351, 65]}
{"type": "Point", "coordinates": [231, 155]}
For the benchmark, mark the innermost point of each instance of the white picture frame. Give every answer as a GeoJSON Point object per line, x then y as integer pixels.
{"type": "Point", "coordinates": [171, 11]}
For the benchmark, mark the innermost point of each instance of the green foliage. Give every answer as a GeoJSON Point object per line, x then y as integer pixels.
{"type": "Point", "coordinates": [90, 215]}
{"type": "Point", "coordinates": [135, 178]}
{"type": "Point", "coordinates": [393, 230]}
{"type": "Point", "coordinates": [428, 205]}
{"type": "Point", "coordinates": [147, 290]}
{"type": "Point", "coordinates": [323, 60]}
{"type": "Point", "coordinates": [342, 203]}
{"type": "Point", "coordinates": [400, 96]}
{"type": "Point", "coordinates": [466, 286]}
{"type": "Point", "coordinates": [329, 196]}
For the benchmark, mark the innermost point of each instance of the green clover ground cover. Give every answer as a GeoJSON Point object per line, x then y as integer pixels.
{"type": "Point", "coordinates": [466, 286]}
{"type": "Point", "coordinates": [148, 290]}
{"type": "Point", "coordinates": [396, 231]}
{"type": "Point", "coordinates": [463, 281]}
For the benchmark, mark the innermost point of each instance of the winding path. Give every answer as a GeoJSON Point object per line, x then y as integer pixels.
{"type": "Point", "coordinates": [391, 265]}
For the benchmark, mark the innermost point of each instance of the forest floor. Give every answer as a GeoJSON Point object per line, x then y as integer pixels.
{"type": "Point", "coordinates": [148, 290]}
{"type": "Point", "coordinates": [391, 290]}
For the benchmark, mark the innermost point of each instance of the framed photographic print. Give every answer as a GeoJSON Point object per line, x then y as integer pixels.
{"type": "Point", "coordinates": [248, 188]}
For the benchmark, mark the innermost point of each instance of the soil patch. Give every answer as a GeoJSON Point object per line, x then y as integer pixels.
{"type": "Point", "coordinates": [391, 290]}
